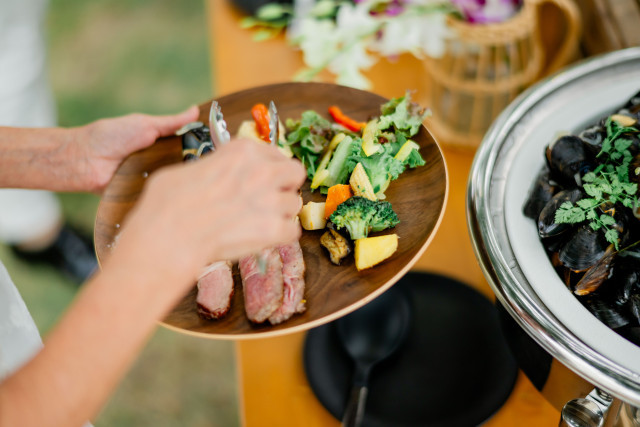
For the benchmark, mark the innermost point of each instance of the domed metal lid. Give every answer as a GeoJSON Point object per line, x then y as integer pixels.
{"type": "Point", "coordinates": [506, 242]}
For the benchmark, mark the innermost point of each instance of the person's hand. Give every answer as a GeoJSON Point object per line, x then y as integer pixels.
{"type": "Point", "coordinates": [101, 146]}
{"type": "Point", "coordinates": [234, 202]}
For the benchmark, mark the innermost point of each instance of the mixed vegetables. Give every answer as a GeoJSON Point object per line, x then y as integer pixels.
{"type": "Point", "coordinates": [353, 163]}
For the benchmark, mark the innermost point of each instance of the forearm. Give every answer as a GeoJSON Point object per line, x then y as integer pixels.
{"type": "Point", "coordinates": [43, 158]}
{"type": "Point", "coordinates": [88, 352]}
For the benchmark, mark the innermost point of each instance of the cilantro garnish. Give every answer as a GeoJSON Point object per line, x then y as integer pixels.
{"type": "Point", "coordinates": [607, 185]}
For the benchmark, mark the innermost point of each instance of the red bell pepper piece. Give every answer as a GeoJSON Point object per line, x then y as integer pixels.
{"type": "Point", "coordinates": [260, 114]}
{"type": "Point", "coordinates": [346, 121]}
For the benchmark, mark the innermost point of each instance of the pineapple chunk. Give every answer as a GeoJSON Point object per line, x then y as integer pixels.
{"type": "Point", "coordinates": [312, 216]}
{"type": "Point", "coordinates": [373, 250]}
{"type": "Point", "coordinates": [406, 149]}
{"type": "Point", "coordinates": [370, 145]}
{"type": "Point", "coordinates": [248, 130]}
{"type": "Point", "coordinates": [360, 183]}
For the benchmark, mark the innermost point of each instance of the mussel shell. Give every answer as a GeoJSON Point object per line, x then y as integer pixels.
{"type": "Point", "coordinates": [606, 312]}
{"type": "Point", "coordinates": [567, 159]}
{"type": "Point", "coordinates": [634, 307]}
{"type": "Point", "coordinates": [547, 226]}
{"type": "Point", "coordinates": [593, 137]}
{"type": "Point", "coordinates": [584, 248]}
{"type": "Point", "coordinates": [539, 195]}
{"type": "Point", "coordinates": [194, 137]}
{"type": "Point", "coordinates": [627, 282]}
{"type": "Point", "coordinates": [595, 276]}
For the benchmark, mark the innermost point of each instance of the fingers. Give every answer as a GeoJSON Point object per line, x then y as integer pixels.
{"type": "Point", "coordinates": [167, 125]}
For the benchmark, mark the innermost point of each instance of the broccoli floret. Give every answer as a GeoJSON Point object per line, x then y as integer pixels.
{"type": "Point", "coordinates": [360, 216]}
{"type": "Point", "coordinates": [384, 217]}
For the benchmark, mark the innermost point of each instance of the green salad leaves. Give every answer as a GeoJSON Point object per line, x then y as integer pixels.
{"type": "Point", "coordinates": [393, 151]}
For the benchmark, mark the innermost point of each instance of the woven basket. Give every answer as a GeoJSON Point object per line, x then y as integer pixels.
{"type": "Point", "coordinates": [486, 66]}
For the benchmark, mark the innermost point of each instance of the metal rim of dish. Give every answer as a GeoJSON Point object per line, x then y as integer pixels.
{"type": "Point", "coordinates": [498, 262]}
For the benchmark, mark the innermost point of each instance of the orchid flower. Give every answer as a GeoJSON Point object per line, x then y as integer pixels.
{"type": "Point", "coordinates": [344, 36]}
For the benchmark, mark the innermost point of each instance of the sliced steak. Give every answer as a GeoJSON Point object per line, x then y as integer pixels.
{"type": "Point", "coordinates": [263, 293]}
{"type": "Point", "coordinates": [293, 274]}
{"type": "Point", "coordinates": [215, 289]}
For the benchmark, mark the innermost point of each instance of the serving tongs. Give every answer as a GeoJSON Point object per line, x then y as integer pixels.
{"type": "Point", "coordinates": [220, 136]}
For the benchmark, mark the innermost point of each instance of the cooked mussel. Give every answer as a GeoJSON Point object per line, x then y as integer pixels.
{"type": "Point", "coordinates": [584, 248]}
{"type": "Point", "coordinates": [597, 274]}
{"type": "Point", "coordinates": [606, 312]}
{"type": "Point", "coordinates": [547, 226]}
{"type": "Point", "coordinates": [634, 307]}
{"type": "Point", "coordinates": [567, 159]}
{"type": "Point", "coordinates": [196, 141]}
{"type": "Point", "coordinates": [593, 138]}
{"type": "Point", "coordinates": [540, 193]}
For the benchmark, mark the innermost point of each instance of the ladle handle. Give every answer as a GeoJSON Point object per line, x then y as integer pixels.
{"type": "Point", "coordinates": [354, 412]}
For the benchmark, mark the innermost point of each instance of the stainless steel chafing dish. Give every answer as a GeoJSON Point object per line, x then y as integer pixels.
{"type": "Point", "coordinates": [582, 367]}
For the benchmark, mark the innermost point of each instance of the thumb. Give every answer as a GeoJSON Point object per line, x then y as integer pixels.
{"type": "Point", "coordinates": [166, 125]}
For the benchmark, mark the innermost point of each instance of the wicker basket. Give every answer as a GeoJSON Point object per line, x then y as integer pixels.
{"type": "Point", "coordinates": [486, 66]}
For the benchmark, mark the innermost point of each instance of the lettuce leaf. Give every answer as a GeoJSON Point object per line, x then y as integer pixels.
{"type": "Point", "coordinates": [404, 116]}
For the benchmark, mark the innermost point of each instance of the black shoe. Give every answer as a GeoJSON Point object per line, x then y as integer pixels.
{"type": "Point", "coordinates": [71, 253]}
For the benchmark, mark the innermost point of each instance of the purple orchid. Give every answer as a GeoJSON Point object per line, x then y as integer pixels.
{"type": "Point", "coordinates": [487, 11]}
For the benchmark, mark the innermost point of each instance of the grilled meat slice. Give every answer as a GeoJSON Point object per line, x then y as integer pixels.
{"type": "Point", "coordinates": [293, 274]}
{"type": "Point", "coordinates": [215, 289]}
{"type": "Point", "coordinates": [263, 293]}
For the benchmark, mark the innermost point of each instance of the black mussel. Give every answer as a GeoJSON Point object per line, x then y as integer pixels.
{"type": "Point", "coordinates": [205, 148]}
{"type": "Point", "coordinates": [547, 226]}
{"type": "Point", "coordinates": [606, 312]}
{"type": "Point", "coordinates": [194, 137]}
{"type": "Point", "coordinates": [568, 160]}
{"type": "Point", "coordinates": [625, 281]}
{"type": "Point", "coordinates": [553, 245]}
{"type": "Point", "coordinates": [634, 307]}
{"type": "Point", "coordinates": [189, 157]}
{"type": "Point", "coordinates": [583, 249]}
{"type": "Point", "coordinates": [627, 225]}
{"type": "Point", "coordinates": [539, 195]}
{"type": "Point", "coordinates": [597, 274]}
{"type": "Point", "coordinates": [593, 138]}
{"type": "Point", "coordinates": [631, 333]}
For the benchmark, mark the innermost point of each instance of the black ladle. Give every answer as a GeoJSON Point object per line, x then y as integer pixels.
{"type": "Point", "coordinates": [370, 335]}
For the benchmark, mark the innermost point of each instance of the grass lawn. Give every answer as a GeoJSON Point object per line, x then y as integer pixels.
{"type": "Point", "coordinates": [108, 58]}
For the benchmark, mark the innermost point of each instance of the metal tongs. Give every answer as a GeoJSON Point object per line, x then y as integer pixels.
{"type": "Point", "coordinates": [220, 136]}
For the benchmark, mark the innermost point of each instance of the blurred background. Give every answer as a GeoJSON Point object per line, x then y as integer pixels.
{"type": "Point", "coordinates": [109, 58]}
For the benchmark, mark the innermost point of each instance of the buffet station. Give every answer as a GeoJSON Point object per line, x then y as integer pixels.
{"type": "Point", "coordinates": [471, 222]}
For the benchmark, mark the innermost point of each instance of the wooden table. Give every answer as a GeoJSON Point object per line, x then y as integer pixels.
{"type": "Point", "coordinates": [272, 383]}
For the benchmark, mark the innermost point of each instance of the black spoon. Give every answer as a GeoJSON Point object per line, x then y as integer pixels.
{"type": "Point", "coordinates": [370, 335]}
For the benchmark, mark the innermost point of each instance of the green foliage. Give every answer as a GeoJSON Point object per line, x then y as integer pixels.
{"type": "Point", "coordinates": [607, 186]}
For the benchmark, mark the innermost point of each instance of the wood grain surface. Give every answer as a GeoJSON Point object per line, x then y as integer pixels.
{"type": "Point", "coordinates": [418, 197]}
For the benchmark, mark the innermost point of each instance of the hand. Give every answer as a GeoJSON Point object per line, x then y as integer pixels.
{"type": "Point", "coordinates": [102, 145]}
{"type": "Point", "coordinates": [232, 203]}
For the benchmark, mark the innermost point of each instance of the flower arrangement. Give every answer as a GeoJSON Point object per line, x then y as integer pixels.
{"type": "Point", "coordinates": [347, 36]}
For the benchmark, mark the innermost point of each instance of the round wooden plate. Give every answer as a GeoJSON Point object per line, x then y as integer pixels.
{"type": "Point", "coordinates": [418, 197]}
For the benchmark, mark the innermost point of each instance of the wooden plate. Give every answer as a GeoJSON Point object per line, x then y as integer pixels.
{"type": "Point", "coordinates": [418, 197]}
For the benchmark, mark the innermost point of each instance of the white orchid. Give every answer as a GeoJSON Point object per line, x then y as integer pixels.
{"type": "Point", "coordinates": [346, 37]}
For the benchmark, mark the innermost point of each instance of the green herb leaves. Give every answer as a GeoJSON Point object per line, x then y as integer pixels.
{"type": "Point", "coordinates": [606, 186]}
